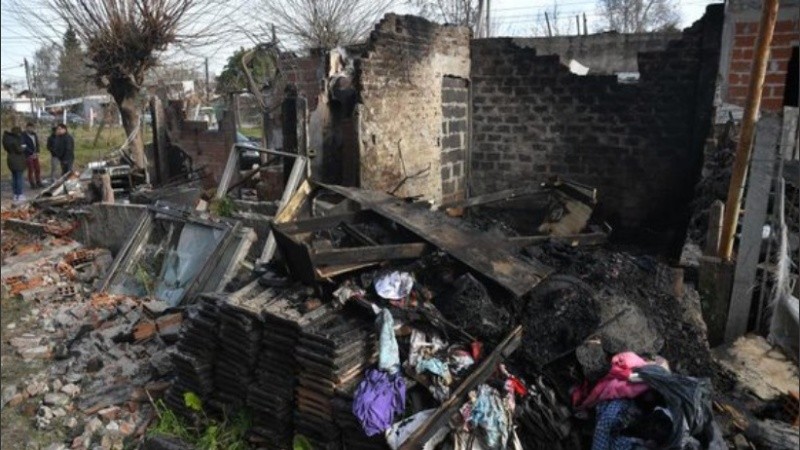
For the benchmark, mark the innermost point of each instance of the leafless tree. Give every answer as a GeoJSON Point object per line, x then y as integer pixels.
{"type": "Point", "coordinates": [123, 40]}
{"type": "Point", "coordinates": [323, 23]}
{"type": "Point", "coordinates": [456, 12]}
{"type": "Point", "coordinates": [44, 70]}
{"type": "Point", "coordinates": [639, 16]}
{"type": "Point", "coordinates": [552, 22]}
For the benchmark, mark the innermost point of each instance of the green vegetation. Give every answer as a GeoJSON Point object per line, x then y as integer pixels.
{"type": "Point", "coordinates": [210, 434]}
{"type": "Point", "coordinates": [109, 139]}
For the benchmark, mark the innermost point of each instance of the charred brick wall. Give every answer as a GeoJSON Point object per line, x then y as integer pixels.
{"type": "Point", "coordinates": [455, 137]}
{"type": "Point", "coordinates": [207, 148]}
{"type": "Point", "coordinates": [640, 144]}
{"type": "Point", "coordinates": [400, 81]}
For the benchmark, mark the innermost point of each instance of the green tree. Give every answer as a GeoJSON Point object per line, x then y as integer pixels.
{"type": "Point", "coordinates": [232, 77]}
{"type": "Point", "coordinates": [72, 76]}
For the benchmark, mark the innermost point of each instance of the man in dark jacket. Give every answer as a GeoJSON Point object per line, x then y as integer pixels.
{"type": "Point", "coordinates": [64, 148]}
{"type": "Point", "coordinates": [12, 143]}
{"type": "Point", "coordinates": [31, 141]}
{"type": "Point", "coordinates": [55, 164]}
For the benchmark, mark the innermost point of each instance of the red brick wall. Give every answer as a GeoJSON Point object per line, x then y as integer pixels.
{"type": "Point", "coordinates": [787, 35]}
{"type": "Point", "coordinates": [305, 73]}
{"type": "Point", "coordinates": [208, 148]}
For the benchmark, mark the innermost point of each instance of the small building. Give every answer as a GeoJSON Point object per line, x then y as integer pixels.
{"type": "Point", "coordinates": [21, 102]}
{"type": "Point", "coordinates": [88, 107]}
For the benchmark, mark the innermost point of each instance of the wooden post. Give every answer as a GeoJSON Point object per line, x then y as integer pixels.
{"type": "Point", "coordinates": [585, 27]}
{"type": "Point", "coordinates": [766, 29]}
{"type": "Point", "coordinates": [578, 24]}
{"type": "Point", "coordinates": [759, 186]}
{"type": "Point", "coordinates": [547, 21]}
{"type": "Point", "coordinates": [715, 214]}
{"type": "Point", "coordinates": [108, 190]}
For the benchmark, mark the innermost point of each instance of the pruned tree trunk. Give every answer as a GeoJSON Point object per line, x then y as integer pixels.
{"type": "Point", "coordinates": [125, 94]}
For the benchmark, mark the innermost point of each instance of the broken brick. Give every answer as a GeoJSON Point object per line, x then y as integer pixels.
{"type": "Point", "coordinates": [169, 325]}
{"type": "Point", "coordinates": [145, 329]}
{"type": "Point", "coordinates": [20, 286]}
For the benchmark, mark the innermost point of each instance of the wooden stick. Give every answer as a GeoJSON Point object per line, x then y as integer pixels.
{"type": "Point", "coordinates": [769, 14]}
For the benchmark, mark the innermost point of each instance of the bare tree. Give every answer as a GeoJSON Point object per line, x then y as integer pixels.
{"type": "Point", "coordinates": [552, 22]}
{"type": "Point", "coordinates": [323, 23]}
{"type": "Point", "coordinates": [456, 12]}
{"type": "Point", "coordinates": [123, 40]}
{"type": "Point", "coordinates": [44, 71]}
{"type": "Point", "coordinates": [639, 16]}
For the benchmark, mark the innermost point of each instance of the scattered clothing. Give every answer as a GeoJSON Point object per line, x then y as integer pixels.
{"type": "Point", "coordinates": [615, 385]}
{"type": "Point", "coordinates": [347, 292]}
{"type": "Point", "coordinates": [488, 414]}
{"type": "Point", "coordinates": [395, 285]}
{"type": "Point", "coordinates": [400, 431]}
{"type": "Point", "coordinates": [441, 379]}
{"type": "Point", "coordinates": [611, 421]}
{"type": "Point", "coordinates": [379, 398]}
{"type": "Point", "coordinates": [423, 344]}
{"type": "Point", "coordinates": [460, 361]}
{"type": "Point", "coordinates": [389, 352]}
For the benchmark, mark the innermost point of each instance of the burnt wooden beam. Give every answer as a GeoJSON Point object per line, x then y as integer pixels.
{"type": "Point", "coordinates": [339, 256]}
{"type": "Point", "coordinates": [487, 255]}
{"type": "Point", "coordinates": [586, 239]}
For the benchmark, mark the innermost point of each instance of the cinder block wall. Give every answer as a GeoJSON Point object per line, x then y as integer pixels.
{"type": "Point", "coordinates": [400, 80]}
{"type": "Point", "coordinates": [640, 144]}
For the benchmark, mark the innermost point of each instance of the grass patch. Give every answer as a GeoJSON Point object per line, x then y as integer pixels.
{"type": "Point", "coordinates": [85, 148]}
{"type": "Point", "coordinates": [208, 434]}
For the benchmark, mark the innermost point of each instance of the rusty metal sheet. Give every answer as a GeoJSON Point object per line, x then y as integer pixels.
{"type": "Point", "coordinates": [481, 252]}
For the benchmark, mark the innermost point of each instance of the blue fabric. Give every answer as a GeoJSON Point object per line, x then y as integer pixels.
{"type": "Point", "coordinates": [433, 365]}
{"type": "Point", "coordinates": [379, 398]}
{"type": "Point", "coordinates": [389, 352]}
{"type": "Point", "coordinates": [609, 420]}
{"type": "Point", "coordinates": [488, 413]}
{"type": "Point", "coordinates": [17, 181]}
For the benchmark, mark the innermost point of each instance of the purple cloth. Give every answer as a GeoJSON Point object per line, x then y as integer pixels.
{"type": "Point", "coordinates": [378, 399]}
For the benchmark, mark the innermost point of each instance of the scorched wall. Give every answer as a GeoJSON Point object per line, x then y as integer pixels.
{"type": "Point", "coordinates": [403, 118]}
{"type": "Point", "coordinates": [640, 144]}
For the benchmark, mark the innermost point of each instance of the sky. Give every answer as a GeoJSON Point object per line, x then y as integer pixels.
{"type": "Point", "coordinates": [509, 18]}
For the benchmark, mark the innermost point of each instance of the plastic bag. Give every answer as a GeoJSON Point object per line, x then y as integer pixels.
{"type": "Point", "coordinates": [688, 400]}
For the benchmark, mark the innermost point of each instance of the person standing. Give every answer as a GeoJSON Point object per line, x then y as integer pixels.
{"type": "Point", "coordinates": [64, 148]}
{"type": "Point", "coordinates": [31, 141]}
{"type": "Point", "coordinates": [54, 162]}
{"type": "Point", "coordinates": [12, 143]}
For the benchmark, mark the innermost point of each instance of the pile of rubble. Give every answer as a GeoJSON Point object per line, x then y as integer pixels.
{"type": "Point", "coordinates": [105, 355]}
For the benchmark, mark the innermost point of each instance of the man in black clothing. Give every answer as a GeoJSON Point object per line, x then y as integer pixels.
{"type": "Point", "coordinates": [64, 148]}
{"type": "Point", "coordinates": [31, 141]}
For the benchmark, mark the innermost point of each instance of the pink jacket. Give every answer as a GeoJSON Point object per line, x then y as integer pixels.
{"type": "Point", "coordinates": [614, 385]}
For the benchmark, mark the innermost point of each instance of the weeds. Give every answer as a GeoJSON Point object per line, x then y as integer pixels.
{"type": "Point", "coordinates": [210, 434]}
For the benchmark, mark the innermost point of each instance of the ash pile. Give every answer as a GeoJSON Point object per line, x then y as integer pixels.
{"type": "Point", "coordinates": [383, 324]}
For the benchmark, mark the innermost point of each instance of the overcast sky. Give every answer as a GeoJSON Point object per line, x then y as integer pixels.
{"type": "Point", "coordinates": [509, 17]}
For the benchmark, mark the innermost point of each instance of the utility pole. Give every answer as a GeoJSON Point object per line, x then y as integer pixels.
{"type": "Point", "coordinates": [578, 25]}
{"type": "Point", "coordinates": [488, 18]}
{"type": "Point", "coordinates": [547, 20]}
{"type": "Point", "coordinates": [585, 28]}
{"type": "Point", "coordinates": [769, 14]}
{"type": "Point", "coordinates": [30, 91]}
{"type": "Point", "coordinates": [274, 35]}
{"type": "Point", "coordinates": [208, 88]}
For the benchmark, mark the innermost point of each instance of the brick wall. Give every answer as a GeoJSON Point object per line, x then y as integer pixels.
{"type": "Point", "coordinates": [742, 21]}
{"type": "Point", "coordinates": [640, 144]}
{"type": "Point", "coordinates": [209, 148]}
{"type": "Point", "coordinates": [399, 118]}
{"type": "Point", "coordinates": [305, 72]}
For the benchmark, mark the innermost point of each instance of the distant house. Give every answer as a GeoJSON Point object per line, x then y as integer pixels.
{"type": "Point", "coordinates": [21, 102]}
{"type": "Point", "coordinates": [87, 106]}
